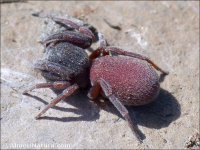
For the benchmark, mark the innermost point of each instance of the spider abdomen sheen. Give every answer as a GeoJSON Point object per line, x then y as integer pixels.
{"type": "Point", "coordinates": [133, 81]}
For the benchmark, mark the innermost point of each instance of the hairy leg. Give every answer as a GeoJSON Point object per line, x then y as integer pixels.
{"type": "Point", "coordinates": [55, 85]}
{"type": "Point", "coordinates": [72, 37]}
{"type": "Point", "coordinates": [73, 25]}
{"type": "Point", "coordinates": [102, 84]}
{"type": "Point", "coordinates": [54, 68]}
{"type": "Point", "coordinates": [94, 91]}
{"type": "Point", "coordinates": [66, 93]}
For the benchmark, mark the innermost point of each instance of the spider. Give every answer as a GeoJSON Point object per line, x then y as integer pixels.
{"type": "Point", "coordinates": [125, 78]}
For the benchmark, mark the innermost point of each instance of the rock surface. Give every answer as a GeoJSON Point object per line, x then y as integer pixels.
{"type": "Point", "coordinates": [166, 32]}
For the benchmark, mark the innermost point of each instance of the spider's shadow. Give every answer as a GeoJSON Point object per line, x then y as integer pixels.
{"type": "Point", "coordinates": [85, 109]}
{"type": "Point", "coordinates": [164, 110]}
{"type": "Point", "coordinates": [158, 114]}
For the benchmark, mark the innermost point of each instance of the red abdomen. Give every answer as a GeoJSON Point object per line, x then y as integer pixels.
{"type": "Point", "coordinates": [133, 81]}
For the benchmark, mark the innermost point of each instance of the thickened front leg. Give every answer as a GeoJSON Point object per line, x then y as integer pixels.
{"type": "Point", "coordinates": [66, 93]}
{"type": "Point", "coordinates": [54, 69]}
{"type": "Point", "coordinates": [72, 37]}
{"type": "Point", "coordinates": [116, 50]}
{"type": "Point", "coordinates": [73, 25]}
{"type": "Point", "coordinates": [103, 85]}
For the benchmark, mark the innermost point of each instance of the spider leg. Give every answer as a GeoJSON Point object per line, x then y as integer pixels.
{"type": "Point", "coordinates": [72, 24]}
{"type": "Point", "coordinates": [72, 37]}
{"type": "Point", "coordinates": [66, 93]}
{"type": "Point", "coordinates": [116, 102]}
{"type": "Point", "coordinates": [94, 91]}
{"type": "Point", "coordinates": [124, 112]}
{"type": "Point", "coordinates": [55, 85]}
{"type": "Point", "coordinates": [101, 48]}
{"type": "Point", "coordinates": [54, 68]}
{"type": "Point", "coordinates": [83, 38]}
{"type": "Point", "coordinates": [95, 54]}
{"type": "Point", "coordinates": [116, 50]}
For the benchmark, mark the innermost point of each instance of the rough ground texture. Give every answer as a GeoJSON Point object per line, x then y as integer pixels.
{"type": "Point", "coordinates": [167, 32]}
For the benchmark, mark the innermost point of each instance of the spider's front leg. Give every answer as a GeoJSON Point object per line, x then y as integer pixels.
{"type": "Point", "coordinates": [83, 38]}
{"type": "Point", "coordinates": [53, 71]}
{"type": "Point", "coordinates": [73, 25]}
{"type": "Point", "coordinates": [103, 85]}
